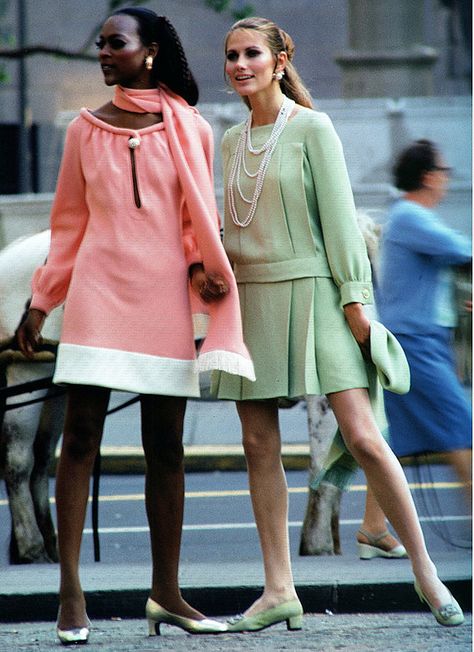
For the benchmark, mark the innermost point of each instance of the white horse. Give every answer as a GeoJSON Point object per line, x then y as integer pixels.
{"type": "Point", "coordinates": [28, 435]}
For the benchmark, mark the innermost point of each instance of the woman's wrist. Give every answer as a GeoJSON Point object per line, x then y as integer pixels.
{"type": "Point", "coordinates": [37, 311]}
{"type": "Point", "coordinates": [353, 308]}
{"type": "Point", "coordinates": [37, 315]}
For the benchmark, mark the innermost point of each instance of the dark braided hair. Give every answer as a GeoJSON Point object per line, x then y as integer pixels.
{"type": "Point", "coordinates": [170, 66]}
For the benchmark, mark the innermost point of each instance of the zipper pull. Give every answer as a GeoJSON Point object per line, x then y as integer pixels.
{"type": "Point", "coordinates": [133, 142]}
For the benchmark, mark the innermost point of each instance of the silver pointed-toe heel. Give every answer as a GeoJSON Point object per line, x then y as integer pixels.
{"type": "Point", "coordinates": [156, 615]}
{"type": "Point", "coordinates": [290, 611]}
{"type": "Point", "coordinates": [74, 636]}
{"type": "Point", "coordinates": [372, 549]}
{"type": "Point", "coordinates": [448, 615]}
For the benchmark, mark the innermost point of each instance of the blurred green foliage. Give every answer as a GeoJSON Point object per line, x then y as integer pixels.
{"type": "Point", "coordinates": [223, 5]}
{"type": "Point", "coordinates": [116, 4]}
{"type": "Point", "coordinates": [5, 37]}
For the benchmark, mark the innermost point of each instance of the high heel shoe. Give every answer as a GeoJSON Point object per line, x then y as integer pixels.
{"type": "Point", "coordinates": [74, 636]}
{"type": "Point", "coordinates": [291, 611]}
{"type": "Point", "coordinates": [372, 549]}
{"type": "Point", "coordinates": [448, 615]}
{"type": "Point", "coordinates": [156, 615]}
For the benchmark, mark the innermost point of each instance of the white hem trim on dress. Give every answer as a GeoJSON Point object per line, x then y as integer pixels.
{"type": "Point", "coordinates": [125, 370]}
{"type": "Point", "coordinates": [232, 363]}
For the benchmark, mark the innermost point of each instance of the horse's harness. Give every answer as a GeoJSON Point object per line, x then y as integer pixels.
{"type": "Point", "coordinates": [46, 352]}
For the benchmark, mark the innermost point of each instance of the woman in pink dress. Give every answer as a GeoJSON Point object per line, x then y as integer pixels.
{"type": "Point", "coordinates": [134, 229]}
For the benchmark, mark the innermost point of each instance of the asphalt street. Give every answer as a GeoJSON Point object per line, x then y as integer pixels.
{"type": "Point", "coordinates": [401, 632]}
{"type": "Point", "coordinates": [219, 524]}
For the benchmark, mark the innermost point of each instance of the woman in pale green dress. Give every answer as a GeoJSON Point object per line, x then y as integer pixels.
{"type": "Point", "coordinates": [303, 276]}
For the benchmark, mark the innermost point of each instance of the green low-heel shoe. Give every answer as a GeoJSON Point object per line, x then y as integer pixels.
{"type": "Point", "coordinates": [448, 615]}
{"type": "Point", "coordinates": [373, 548]}
{"type": "Point", "coordinates": [291, 611]}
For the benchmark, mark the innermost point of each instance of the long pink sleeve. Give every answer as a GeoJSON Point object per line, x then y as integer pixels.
{"type": "Point", "coordinates": [207, 139]}
{"type": "Point", "coordinates": [191, 249]}
{"type": "Point", "coordinates": [69, 216]}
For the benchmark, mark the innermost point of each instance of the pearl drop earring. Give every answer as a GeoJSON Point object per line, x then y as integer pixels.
{"type": "Point", "coordinates": [278, 76]}
{"type": "Point", "coordinates": [149, 62]}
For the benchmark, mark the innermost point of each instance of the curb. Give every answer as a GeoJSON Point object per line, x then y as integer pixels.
{"type": "Point", "coordinates": [200, 459]}
{"type": "Point", "coordinates": [130, 460]}
{"type": "Point", "coordinates": [369, 597]}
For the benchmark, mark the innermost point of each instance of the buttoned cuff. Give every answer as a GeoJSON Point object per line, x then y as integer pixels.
{"type": "Point", "coordinates": [356, 292]}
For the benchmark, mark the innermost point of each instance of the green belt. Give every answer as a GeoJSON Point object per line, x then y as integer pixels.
{"type": "Point", "coordinates": [283, 270]}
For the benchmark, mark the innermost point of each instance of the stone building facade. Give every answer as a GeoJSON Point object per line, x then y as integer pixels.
{"type": "Point", "coordinates": [329, 36]}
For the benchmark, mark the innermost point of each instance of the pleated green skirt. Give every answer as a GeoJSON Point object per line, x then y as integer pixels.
{"type": "Point", "coordinates": [299, 341]}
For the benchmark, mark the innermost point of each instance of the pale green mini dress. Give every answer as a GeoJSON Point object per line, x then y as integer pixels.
{"type": "Point", "coordinates": [298, 262]}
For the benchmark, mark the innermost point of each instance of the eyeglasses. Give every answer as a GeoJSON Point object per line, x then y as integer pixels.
{"type": "Point", "coordinates": [442, 168]}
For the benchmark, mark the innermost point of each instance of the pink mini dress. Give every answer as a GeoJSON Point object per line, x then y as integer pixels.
{"type": "Point", "coordinates": [121, 247]}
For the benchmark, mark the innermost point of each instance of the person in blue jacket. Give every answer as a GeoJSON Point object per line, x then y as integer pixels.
{"type": "Point", "coordinates": [417, 303]}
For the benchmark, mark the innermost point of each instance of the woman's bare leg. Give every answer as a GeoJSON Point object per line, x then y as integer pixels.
{"type": "Point", "coordinates": [84, 422]}
{"type": "Point", "coordinates": [461, 461]}
{"type": "Point", "coordinates": [269, 494]}
{"type": "Point", "coordinates": [387, 480]}
{"type": "Point", "coordinates": [162, 433]}
{"type": "Point", "coordinates": [374, 522]}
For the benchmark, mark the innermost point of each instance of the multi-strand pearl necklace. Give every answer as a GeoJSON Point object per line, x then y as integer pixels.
{"type": "Point", "coordinates": [267, 149]}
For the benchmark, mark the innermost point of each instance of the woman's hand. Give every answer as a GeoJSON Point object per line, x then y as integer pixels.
{"type": "Point", "coordinates": [28, 334]}
{"type": "Point", "coordinates": [359, 325]}
{"type": "Point", "coordinates": [210, 287]}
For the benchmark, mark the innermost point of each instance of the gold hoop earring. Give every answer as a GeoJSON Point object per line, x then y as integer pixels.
{"type": "Point", "coordinates": [149, 62]}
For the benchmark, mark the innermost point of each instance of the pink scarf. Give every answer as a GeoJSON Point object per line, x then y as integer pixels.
{"type": "Point", "coordinates": [191, 144]}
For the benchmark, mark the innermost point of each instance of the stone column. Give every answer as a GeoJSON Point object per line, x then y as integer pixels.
{"type": "Point", "coordinates": [386, 55]}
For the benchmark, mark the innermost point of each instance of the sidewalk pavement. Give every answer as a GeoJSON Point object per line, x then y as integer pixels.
{"type": "Point", "coordinates": [337, 584]}
{"type": "Point", "coordinates": [340, 584]}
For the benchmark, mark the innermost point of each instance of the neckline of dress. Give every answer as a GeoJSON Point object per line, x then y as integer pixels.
{"type": "Point", "coordinates": [270, 124]}
{"type": "Point", "coordinates": [90, 117]}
